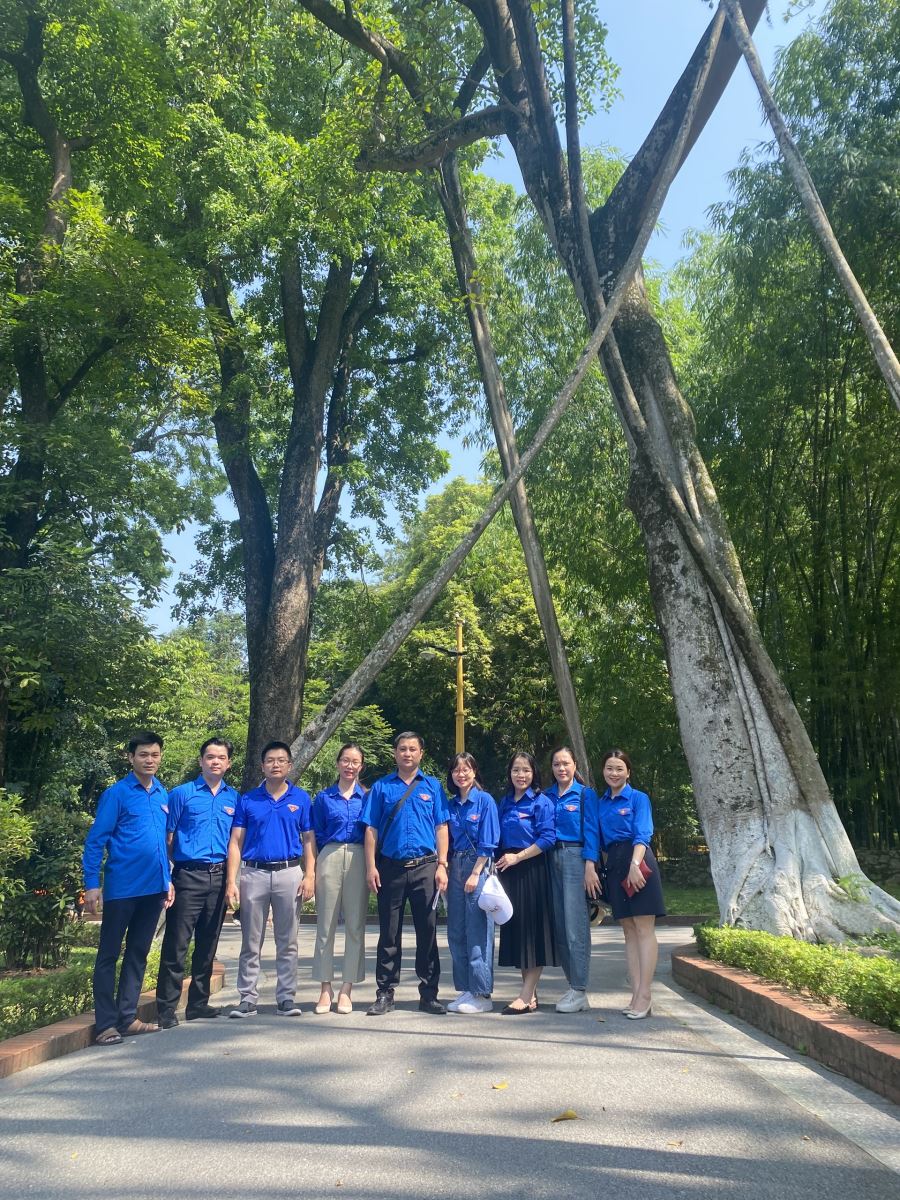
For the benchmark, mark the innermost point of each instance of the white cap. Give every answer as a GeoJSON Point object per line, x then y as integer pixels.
{"type": "Point", "coordinates": [494, 900]}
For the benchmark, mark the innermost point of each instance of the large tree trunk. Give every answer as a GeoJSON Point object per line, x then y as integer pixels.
{"type": "Point", "coordinates": [777, 846]}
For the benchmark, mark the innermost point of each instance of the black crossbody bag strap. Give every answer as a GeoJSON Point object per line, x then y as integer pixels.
{"type": "Point", "coordinates": [382, 833]}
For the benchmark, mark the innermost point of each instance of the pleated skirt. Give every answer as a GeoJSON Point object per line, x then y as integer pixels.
{"type": "Point", "coordinates": [526, 940]}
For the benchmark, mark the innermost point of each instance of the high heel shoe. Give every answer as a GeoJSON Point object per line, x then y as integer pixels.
{"type": "Point", "coordinates": [626, 1012]}
{"type": "Point", "coordinates": [638, 1016]}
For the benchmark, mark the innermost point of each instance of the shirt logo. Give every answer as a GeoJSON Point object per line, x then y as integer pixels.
{"type": "Point", "coordinates": [293, 807]}
{"type": "Point", "coordinates": [164, 807]}
{"type": "Point", "coordinates": [522, 816]}
{"type": "Point", "coordinates": [571, 808]}
{"type": "Point", "coordinates": [474, 817]}
{"type": "Point", "coordinates": [230, 811]}
{"type": "Point", "coordinates": [424, 795]}
{"type": "Point", "coordinates": [623, 812]}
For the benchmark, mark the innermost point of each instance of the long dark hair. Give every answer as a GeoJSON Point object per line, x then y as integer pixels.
{"type": "Point", "coordinates": [625, 757]}
{"type": "Point", "coordinates": [469, 760]}
{"type": "Point", "coordinates": [535, 784]}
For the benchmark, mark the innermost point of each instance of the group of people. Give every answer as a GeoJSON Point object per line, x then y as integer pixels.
{"type": "Point", "coordinates": [203, 847]}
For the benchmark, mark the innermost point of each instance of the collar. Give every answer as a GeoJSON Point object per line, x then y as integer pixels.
{"type": "Point", "coordinates": [574, 787]}
{"type": "Point", "coordinates": [133, 782]}
{"type": "Point", "coordinates": [626, 791]}
{"type": "Point", "coordinates": [358, 789]}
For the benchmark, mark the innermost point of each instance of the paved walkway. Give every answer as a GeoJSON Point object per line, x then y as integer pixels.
{"type": "Point", "coordinates": [685, 1104]}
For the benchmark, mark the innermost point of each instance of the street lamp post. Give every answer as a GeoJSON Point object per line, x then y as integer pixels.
{"type": "Point", "coordinates": [460, 682]}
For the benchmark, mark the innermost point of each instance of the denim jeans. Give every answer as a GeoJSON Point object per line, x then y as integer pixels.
{"type": "Point", "coordinates": [570, 913]}
{"type": "Point", "coordinates": [470, 931]}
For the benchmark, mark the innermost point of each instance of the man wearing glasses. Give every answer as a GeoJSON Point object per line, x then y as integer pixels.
{"type": "Point", "coordinates": [272, 844]}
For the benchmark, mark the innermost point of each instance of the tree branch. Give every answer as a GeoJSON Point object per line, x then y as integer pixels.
{"type": "Point", "coordinates": [815, 210]}
{"type": "Point", "coordinates": [485, 122]}
{"type": "Point", "coordinates": [470, 84]}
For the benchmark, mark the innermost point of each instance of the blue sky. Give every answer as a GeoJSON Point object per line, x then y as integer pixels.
{"type": "Point", "coordinates": [651, 40]}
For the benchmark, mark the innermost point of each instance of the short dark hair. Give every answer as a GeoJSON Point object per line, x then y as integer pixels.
{"type": "Point", "coordinates": [269, 746]}
{"type": "Point", "coordinates": [217, 741]}
{"type": "Point", "coordinates": [532, 762]}
{"type": "Point", "coordinates": [409, 733]}
{"type": "Point", "coordinates": [144, 737]}
{"type": "Point", "coordinates": [462, 757]}
{"type": "Point", "coordinates": [626, 758]}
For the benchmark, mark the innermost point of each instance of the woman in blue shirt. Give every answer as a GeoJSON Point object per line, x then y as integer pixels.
{"type": "Point", "coordinates": [527, 832]}
{"type": "Point", "coordinates": [473, 830]}
{"type": "Point", "coordinates": [626, 827]}
{"type": "Point", "coordinates": [340, 879]}
{"type": "Point", "coordinates": [572, 871]}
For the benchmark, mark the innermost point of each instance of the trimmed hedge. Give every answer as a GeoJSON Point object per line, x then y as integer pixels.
{"type": "Point", "coordinates": [38, 1000]}
{"type": "Point", "coordinates": [868, 987]}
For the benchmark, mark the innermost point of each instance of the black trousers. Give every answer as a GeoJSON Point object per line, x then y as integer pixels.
{"type": "Point", "coordinates": [198, 912]}
{"type": "Point", "coordinates": [399, 884]}
{"type": "Point", "coordinates": [135, 919]}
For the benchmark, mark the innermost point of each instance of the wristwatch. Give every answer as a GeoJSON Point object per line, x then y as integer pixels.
{"type": "Point", "coordinates": [442, 862]}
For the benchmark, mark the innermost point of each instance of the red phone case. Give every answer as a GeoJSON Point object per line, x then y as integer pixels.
{"type": "Point", "coordinates": [630, 889]}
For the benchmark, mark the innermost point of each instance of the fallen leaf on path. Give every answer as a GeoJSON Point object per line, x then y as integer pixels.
{"type": "Point", "coordinates": [806, 1138]}
{"type": "Point", "coordinates": [500, 1087]}
{"type": "Point", "coordinates": [411, 1071]}
{"type": "Point", "coordinates": [568, 1115]}
{"type": "Point", "coordinates": [602, 1020]}
{"type": "Point", "coordinates": [674, 1143]}
{"type": "Point", "coordinates": [456, 1095]}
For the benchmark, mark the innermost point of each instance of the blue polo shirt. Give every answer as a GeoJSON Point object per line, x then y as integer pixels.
{"type": "Point", "coordinates": [576, 817]}
{"type": "Point", "coordinates": [130, 826]}
{"type": "Point", "coordinates": [473, 824]}
{"type": "Point", "coordinates": [530, 822]}
{"type": "Point", "coordinates": [274, 828]}
{"type": "Point", "coordinates": [626, 817]}
{"type": "Point", "coordinates": [412, 832]}
{"type": "Point", "coordinates": [336, 817]}
{"type": "Point", "coordinates": [200, 822]}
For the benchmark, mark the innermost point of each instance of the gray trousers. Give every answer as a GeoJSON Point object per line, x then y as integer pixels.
{"type": "Point", "coordinates": [341, 884]}
{"type": "Point", "coordinates": [261, 890]}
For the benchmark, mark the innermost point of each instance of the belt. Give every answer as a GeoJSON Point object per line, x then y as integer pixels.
{"type": "Point", "coordinates": [564, 842]}
{"type": "Point", "coordinates": [409, 863]}
{"type": "Point", "coordinates": [198, 865]}
{"type": "Point", "coordinates": [278, 865]}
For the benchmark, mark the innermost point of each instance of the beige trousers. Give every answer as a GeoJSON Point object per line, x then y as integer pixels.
{"type": "Point", "coordinates": [341, 884]}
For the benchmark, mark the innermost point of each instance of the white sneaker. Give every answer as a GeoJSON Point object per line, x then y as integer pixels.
{"type": "Point", "coordinates": [462, 998]}
{"type": "Point", "coordinates": [572, 1002]}
{"type": "Point", "coordinates": [476, 1004]}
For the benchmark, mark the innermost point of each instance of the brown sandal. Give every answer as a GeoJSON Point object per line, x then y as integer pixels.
{"type": "Point", "coordinates": [137, 1027]}
{"type": "Point", "coordinates": [108, 1037]}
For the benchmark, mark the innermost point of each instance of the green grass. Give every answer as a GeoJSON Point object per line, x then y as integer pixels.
{"type": "Point", "coordinates": [690, 901]}
{"type": "Point", "coordinates": [867, 987]}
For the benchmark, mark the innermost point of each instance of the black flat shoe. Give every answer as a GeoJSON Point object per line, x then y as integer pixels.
{"type": "Point", "coordinates": [509, 1011]}
{"type": "Point", "coordinates": [432, 1006]}
{"type": "Point", "coordinates": [167, 1020]}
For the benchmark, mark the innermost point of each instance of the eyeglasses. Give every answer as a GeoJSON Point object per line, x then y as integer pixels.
{"type": "Point", "coordinates": [276, 762]}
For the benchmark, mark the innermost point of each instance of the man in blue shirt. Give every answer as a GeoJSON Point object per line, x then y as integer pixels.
{"type": "Point", "coordinates": [130, 828]}
{"type": "Point", "coordinates": [199, 826]}
{"type": "Point", "coordinates": [270, 838]}
{"type": "Point", "coordinates": [406, 848]}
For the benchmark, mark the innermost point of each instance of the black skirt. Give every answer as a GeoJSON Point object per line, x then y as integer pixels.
{"type": "Point", "coordinates": [526, 940]}
{"type": "Point", "coordinates": [648, 902]}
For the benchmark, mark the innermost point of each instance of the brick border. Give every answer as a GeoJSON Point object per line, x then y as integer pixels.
{"type": "Point", "coordinates": [865, 1053]}
{"type": "Point", "coordinates": [75, 1033]}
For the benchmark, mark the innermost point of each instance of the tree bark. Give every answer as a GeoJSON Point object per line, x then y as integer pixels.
{"type": "Point", "coordinates": [283, 570]}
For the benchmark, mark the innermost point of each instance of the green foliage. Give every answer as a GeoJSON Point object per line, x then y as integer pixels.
{"type": "Point", "coordinates": [16, 841]}
{"type": "Point", "coordinates": [38, 1000]}
{"type": "Point", "coordinates": [868, 987]}
{"type": "Point", "coordinates": [32, 923]}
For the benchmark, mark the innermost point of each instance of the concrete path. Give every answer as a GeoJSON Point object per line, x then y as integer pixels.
{"type": "Point", "coordinates": [685, 1104]}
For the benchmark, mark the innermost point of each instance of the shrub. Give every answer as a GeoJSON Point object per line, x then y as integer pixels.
{"type": "Point", "coordinates": [868, 987]}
